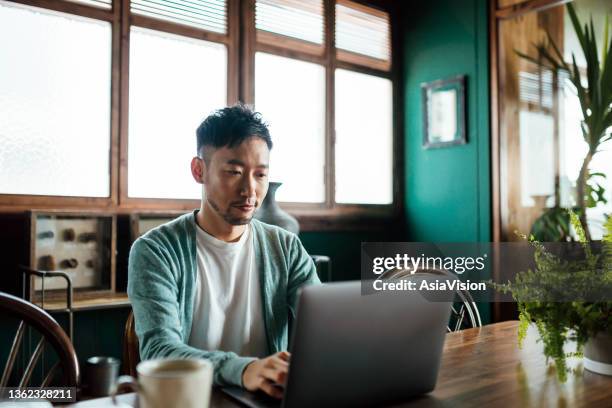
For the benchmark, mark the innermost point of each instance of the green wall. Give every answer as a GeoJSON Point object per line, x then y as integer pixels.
{"type": "Point", "coordinates": [344, 248]}
{"type": "Point", "coordinates": [448, 189]}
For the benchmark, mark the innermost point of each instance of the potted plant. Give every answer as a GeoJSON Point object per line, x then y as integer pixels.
{"type": "Point", "coordinates": [596, 106]}
{"type": "Point", "coordinates": [569, 300]}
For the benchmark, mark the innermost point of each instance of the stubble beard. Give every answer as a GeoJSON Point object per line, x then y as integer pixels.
{"type": "Point", "coordinates": [226, 215]}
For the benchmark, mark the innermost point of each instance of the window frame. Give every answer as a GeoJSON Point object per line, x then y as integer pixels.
{"type": "Point", "coordinates": [230, 40]}
{"type": "Point", "coordinates": [19, 202]}
{"type": "Point", "coordinates": [343, 215]}
{"type": "Point", "coordinates": [242, 42]}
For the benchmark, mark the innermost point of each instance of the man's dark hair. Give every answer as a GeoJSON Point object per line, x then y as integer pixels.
{"type": "Point", "coordinates": [230, 126]}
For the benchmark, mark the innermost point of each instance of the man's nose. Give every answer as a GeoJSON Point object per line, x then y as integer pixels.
{"type": "Point", "coordinates": [249, 185]}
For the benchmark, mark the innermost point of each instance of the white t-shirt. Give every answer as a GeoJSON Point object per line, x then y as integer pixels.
{"type": "Point", "coordinates": [227, 310]}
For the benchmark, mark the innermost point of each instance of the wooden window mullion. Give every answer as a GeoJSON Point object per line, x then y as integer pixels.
{"type": "Point", "coordinates": [330, 127]}
{"type": "Point", "coordinates": [124, 52]}
{"type": "Point", "coordinates": [247, 51]}
{"type": "Point", "coordinates": [233, 51]}
{"type": "Point", "coordinates": [115, 103]}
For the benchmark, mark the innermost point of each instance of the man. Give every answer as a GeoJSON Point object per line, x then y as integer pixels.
{"type": "Point", "coordinates": [216, 283]}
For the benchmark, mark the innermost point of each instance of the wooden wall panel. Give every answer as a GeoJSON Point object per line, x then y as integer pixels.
{"type": "Point", "coordinates": [519, 33]}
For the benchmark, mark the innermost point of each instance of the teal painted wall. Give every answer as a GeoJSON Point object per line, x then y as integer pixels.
{"type": "Point", "coordinates": [448, 191]}
{"type": "Point", "coordinates": [344, 249]}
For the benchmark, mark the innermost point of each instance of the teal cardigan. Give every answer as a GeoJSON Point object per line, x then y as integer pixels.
{"type": "Point", "coordinates": [161, 287]}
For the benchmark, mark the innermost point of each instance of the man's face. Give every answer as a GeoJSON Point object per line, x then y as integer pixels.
{"type": "Point", "coordinates": [236, 180]}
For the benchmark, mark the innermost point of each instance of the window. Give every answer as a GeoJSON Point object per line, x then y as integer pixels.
{"type": "Point", "coordinates": [97, 124]}
{"type": "Point", "coordinates": [119, 101]}
{"type": "Point", "coordinates": [542, 147]}
{"type": "Point", "coordinates": [176, 78]}
{"type": "Point", "coordinates": [54, 103]}
{"type": "Point", "coordinates": [174, 82]}
{"type": "Point", "coordinates": [364, 139]}
{"type": "Point", "coordinates": [322, 151]}
{"type": "Point", "coordinates": [297, 128]}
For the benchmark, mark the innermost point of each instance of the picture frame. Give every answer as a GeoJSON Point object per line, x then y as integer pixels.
{"type": "Point", "coordinates": [444, 112]}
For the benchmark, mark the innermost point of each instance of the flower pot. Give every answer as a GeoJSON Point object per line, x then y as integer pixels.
{"type": "Point", "coordinates": [271, 213]}
{"type": "Point", "coordinates": [598, 354]}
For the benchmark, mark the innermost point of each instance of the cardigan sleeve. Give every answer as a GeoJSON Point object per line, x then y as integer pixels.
{"type": "Point", "coordinates": [153, 292]}
{"type": "Point", "coordinates": [302, 271]}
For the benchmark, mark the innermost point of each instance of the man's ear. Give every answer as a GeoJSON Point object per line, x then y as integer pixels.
{"type": "Point", "coordinates": [198, 169]}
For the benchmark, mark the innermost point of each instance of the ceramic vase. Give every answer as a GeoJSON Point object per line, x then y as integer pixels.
{"type": "Point", "coordinates": [271, 213]}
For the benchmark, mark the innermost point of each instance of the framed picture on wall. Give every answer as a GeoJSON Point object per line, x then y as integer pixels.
{"type": "Point", "coordinates": [444, 120]}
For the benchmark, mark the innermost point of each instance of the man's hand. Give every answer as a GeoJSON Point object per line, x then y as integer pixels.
{"type": "Point", "coordinates": [267, 374]}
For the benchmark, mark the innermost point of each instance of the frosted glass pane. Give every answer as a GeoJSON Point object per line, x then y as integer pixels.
{"type": "Point", "coordinates": [55, 85]}
{"type": "Point", "coordinates": [364, 139]}
{"type": "Point", "coordinates": [290, 94]}
{"type": "Point", "coordinates": [175, 82]}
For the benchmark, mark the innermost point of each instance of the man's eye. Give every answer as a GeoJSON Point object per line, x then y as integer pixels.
{"type": "Point", "coordinates": [233, 172]}
{"type": "Point", "coordinates": [262, 175]}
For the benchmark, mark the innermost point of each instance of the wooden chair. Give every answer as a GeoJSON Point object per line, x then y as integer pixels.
{"type": "Point", "coordinates": [131, 353]}
{"type": "Point", "coordinates": [464, 312]}
{"type": "Point", "coordinates": [324, 267]}
{"type": "Point", "coordinates": [30, 317]}
{"type": "Point", "coordinates": [28, 273]}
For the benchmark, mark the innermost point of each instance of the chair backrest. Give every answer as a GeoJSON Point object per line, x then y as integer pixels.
{"type": "Point", "coordinates": [464, 312]}
{"type": "Point", "coordinates": [30, 317]}
{"type": "Point", "coordinates": [28, 273]}
{"type": "Point", "coordinates": [131, 354]}
{"type": "Point", "coordinates": [324, 267]}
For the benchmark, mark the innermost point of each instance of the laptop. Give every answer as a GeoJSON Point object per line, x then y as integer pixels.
{"type": "Point", "coordinates": [350, 349]}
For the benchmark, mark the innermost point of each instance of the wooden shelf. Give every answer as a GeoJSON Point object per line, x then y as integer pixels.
{"type": "Point", "coordinates": [102, 302]}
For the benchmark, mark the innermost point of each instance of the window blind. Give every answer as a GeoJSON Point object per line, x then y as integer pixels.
{"type": "Point", "coordinates": [363, 30]}
{"type": "Point", "coordinates": [536, 88]}
{"type": "Point", "coordinates": [210, 15]}
{"type": "Point", "coordinates": [299, 19]}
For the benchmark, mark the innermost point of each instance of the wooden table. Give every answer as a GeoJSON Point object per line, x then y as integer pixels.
{"type": "Point", "coordinates": [484, 367]}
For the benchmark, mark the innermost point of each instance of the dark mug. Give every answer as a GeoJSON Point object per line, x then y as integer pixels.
{"type": "Point", "coordinates": [100, 375]}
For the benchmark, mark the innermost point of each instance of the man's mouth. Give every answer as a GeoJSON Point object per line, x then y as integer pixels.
{"type": "Point", "coordinates": [245, 207]}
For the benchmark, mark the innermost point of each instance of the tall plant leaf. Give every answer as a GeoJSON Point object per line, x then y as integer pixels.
{"type": "Point", "coordinates": [535, 60]}
{"type": "Point", "coordinates": [593, 71]}
{"type": "Point", "coordinates": [560, 59]}
{"type": "Point", "coordinates": [574, 19]}
{"type": "Point", "coordinates": [575, 78]}
{"type": "Point", "coordinates": [604, 49]}
{"type": "Point", "coordinates": [606, 70]}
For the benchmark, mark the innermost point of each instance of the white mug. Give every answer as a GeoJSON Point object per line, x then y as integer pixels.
{"type": "Point", "coordinates": [164, 383]}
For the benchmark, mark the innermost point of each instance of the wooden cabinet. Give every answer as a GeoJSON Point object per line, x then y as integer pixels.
{"type": "Point", "coordinates": [82, 245]}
